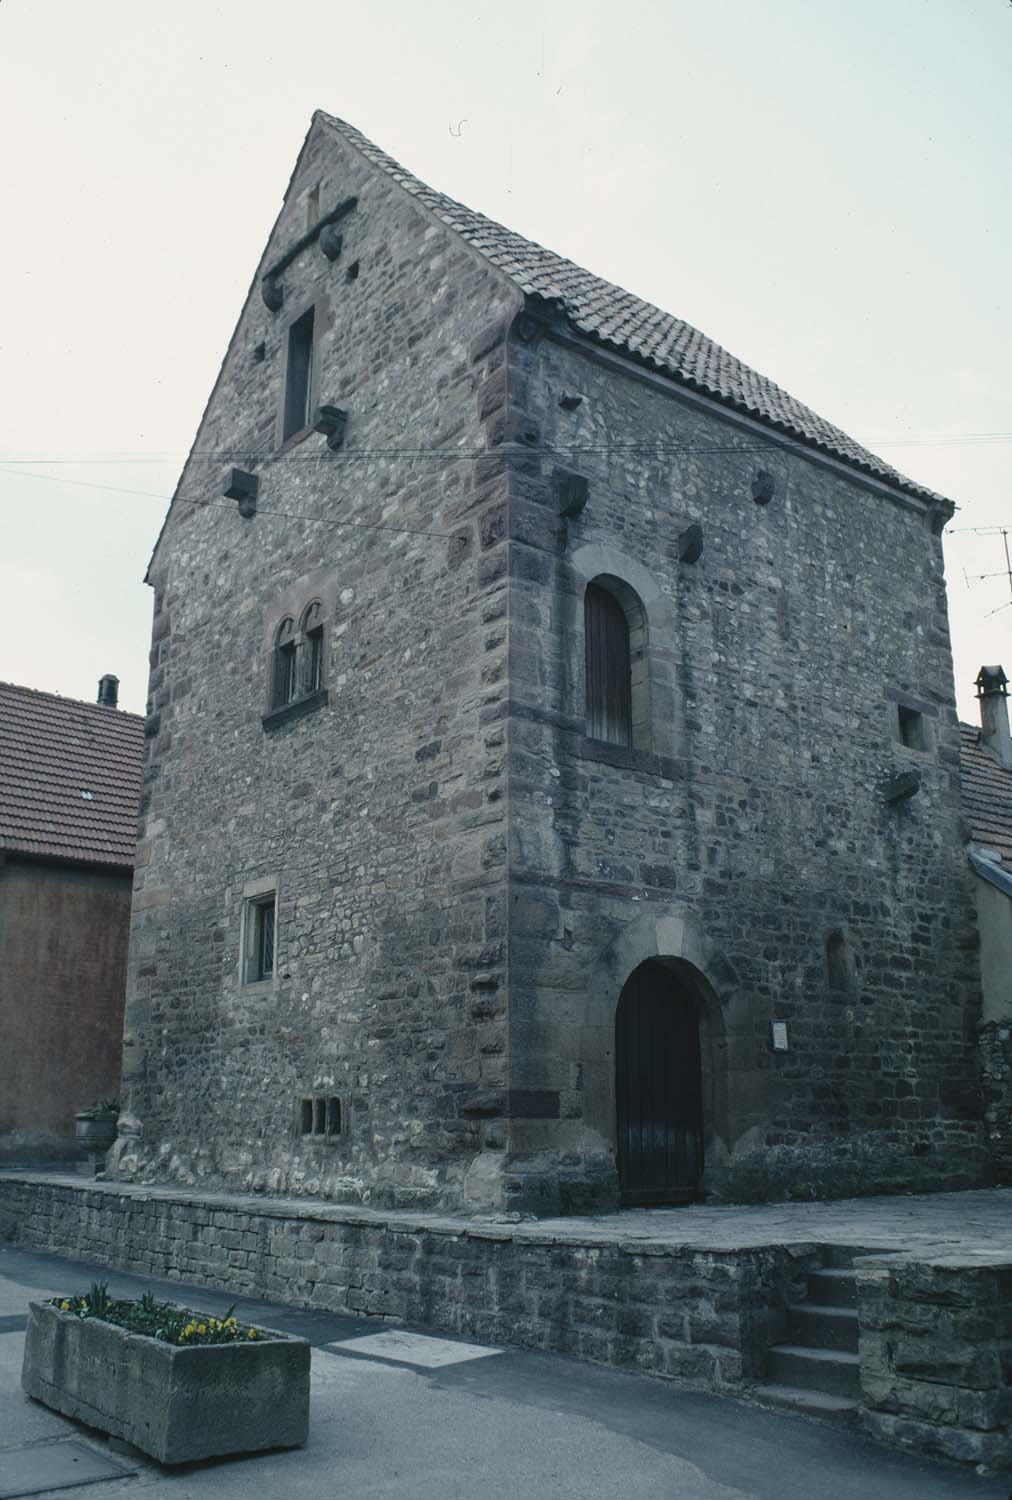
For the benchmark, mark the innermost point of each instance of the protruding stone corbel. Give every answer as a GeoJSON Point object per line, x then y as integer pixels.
{"type": "Point", "coordinates": [690, 543]}
{"type": "Point", "coordinates": [244, 487]}
{"type": "Point", "coordinates": [332, 422]}
{"type": "Point", "coordinates": [273, 293]}
{"type": "Point", "coordinates": [331, 241]}
{"type": "Point", "coordinates": [571, 491]}
{"type": "Point", "coordinates": [902, 787]}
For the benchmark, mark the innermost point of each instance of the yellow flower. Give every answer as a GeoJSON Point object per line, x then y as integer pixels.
{"type": "Point", "coordinates": [201, 1328]}
{"type": "Point", "coordinates": [251, 1334]}
{"type": "Point", "coordinates": [64, 1305]}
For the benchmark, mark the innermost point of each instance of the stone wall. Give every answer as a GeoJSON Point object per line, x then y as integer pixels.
{"type": "Point", "coordinates": [707, 1317]}
{"type": "Point", "coordinates": [996, 1085]}
{"type": "Point", "coordinates": [378, 815]}
{"type": "Point", "coordinates": [936, 1355]}
{"type": "Point", "coordinates": [63, 936]}
{"type": "Point", "coordinates": [750, 824]}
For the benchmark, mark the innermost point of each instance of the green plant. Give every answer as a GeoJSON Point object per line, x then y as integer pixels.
{"type": "Point", "coordinates": [105, 1109]}
{"type": "Point", "coordinates": [157, 1320]}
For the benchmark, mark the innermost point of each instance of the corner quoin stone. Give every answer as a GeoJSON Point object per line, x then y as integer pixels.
{"type": "Point", "coordinates": [176, 1404]}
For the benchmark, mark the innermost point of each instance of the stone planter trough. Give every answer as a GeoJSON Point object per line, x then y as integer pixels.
{"type": "Point", "coordinates": [174, 1403]}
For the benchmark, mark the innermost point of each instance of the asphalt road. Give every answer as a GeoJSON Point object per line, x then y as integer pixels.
{"type": "Point", "coordinates": [424, 1417]}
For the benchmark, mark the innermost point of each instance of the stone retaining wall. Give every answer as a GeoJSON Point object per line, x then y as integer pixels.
{"type": "Point", "coordinates": [704, 1316]}
{"type": "Point", "coordinates": [936, 1355]}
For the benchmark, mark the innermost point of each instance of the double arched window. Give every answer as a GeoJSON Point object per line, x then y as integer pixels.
{"type": "Point", "coordinates": [616, 663]}
{"type": "Point", "coordinates": [297, 658]}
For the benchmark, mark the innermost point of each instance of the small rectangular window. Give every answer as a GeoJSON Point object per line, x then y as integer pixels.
{"type": "Point", "coordinates": [260, 924]}
{"type": "Point", "coordinates": [911, 728]}
{"type": "Point", "coordinates": [299, 375]}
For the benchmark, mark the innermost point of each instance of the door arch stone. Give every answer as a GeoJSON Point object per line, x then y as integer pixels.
{"type": "Point", "coordinates": [676, 942]}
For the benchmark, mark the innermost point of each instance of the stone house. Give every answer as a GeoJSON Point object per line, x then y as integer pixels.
{"type": "Point", "coordinates": [986, 761]}
{"type": "Point", "coordinates": [552, 781]}
{"type": "Point", "coordinates": [69, 784]}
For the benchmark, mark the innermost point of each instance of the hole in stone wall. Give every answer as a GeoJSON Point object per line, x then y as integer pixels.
{"type": "Point", "coordinates": [259, 353]}
{"type": "Point", "coordinates": [333, 1116]}
{"type": "Point", "coordinates": [352, 272]}
{"type": "Point", "coordinates": [307, 1117]}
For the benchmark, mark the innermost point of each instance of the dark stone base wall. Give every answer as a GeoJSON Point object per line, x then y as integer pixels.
{"type": "Point", "coordinates": [996, 1087]}
{"type": "Point", "coordinates": [707, 1317]}
{"type": "Point", "coordinates": [936, 1351]}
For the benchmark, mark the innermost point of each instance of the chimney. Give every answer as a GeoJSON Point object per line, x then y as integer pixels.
{"type": "Point", "coordinates": [992, 690]}
{"type": "Point", "coordinates": [108, 691]}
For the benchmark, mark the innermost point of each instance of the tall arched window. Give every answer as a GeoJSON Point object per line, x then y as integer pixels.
{"type": "Point", "coordinates": [617, 682]}
{"type": "Point", "coordinates": [311, 632]}
{"type": "Point", "coordinates": [284, 678]}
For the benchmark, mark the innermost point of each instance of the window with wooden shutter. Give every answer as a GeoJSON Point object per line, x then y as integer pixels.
{"type": "Point", "coordinates": [608, 666]}
{"type": "Point", "coordinates": [617, 664]}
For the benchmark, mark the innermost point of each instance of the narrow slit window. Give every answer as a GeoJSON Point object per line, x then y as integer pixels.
{"type": "Point", "coordinates": [837, 967]}
{"type": "Point", "coordinates": [258, 962]}
{"type": "Point", "coordinates": [333, 1116]}
{"type": "Point", "coordinates": [299, 375]}
{"type": "Point", "coordinates": [306, 1116]}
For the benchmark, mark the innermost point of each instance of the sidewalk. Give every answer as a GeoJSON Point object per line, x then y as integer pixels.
{"type": "Point", "coordinates": [421, 1417]}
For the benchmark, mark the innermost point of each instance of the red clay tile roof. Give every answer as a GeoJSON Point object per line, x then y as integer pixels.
{"type": "Point", "coordinates": [613, 316]}
{"type": "Point", "coordinates": [986, 794]}
{"type": "Point", "coordinates": [70, 778]}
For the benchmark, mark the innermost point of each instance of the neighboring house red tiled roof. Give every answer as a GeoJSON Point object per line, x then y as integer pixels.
{"type": "Point", "coordinates": [986, 794]}
{"type": "Point", "coordinates": [55, 750]}
{"type": "Point", "coordinates": [613, 316]}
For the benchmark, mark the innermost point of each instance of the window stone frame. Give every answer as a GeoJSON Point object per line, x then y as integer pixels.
{"type": "Point", "coordinates": [658, 732]}
{"type": "Point", "coordinates": [255, 894]}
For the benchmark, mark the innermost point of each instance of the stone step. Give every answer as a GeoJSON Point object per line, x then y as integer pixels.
{"type": "Point", "coordinates": [832, 1371]}
{"type": "Point", "coordinates": [832, 1287]}
{"type": "Point", "coordinates": [822, 1327]}
{"type": "Point", "coordinates": [810, 1403]}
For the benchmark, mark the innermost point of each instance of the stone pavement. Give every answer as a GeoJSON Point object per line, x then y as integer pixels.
{"type": "Point", "coordinates": [934, 1223]}
{"type": "Point", "coordinates": [400, 1414]}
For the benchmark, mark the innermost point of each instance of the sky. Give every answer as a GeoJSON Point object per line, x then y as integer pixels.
{"type": "Point", "coordinates": [822, 188]}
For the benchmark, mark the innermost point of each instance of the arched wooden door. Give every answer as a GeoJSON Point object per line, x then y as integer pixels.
{"type": "Point", "coordinates": [658, 1091]}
